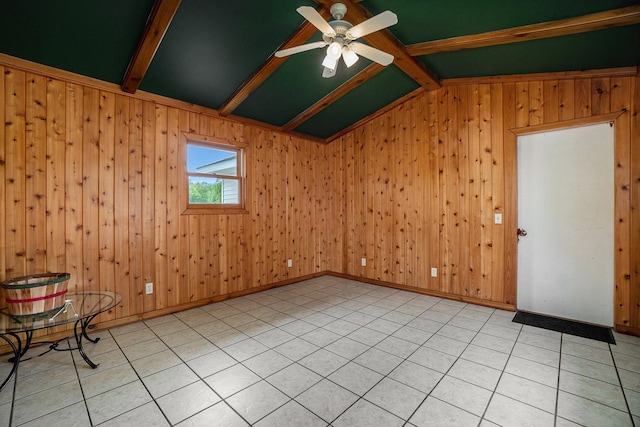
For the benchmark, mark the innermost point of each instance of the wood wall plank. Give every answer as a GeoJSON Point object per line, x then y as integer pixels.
{"type": "Point", "coordinates": [510, 217]}
{"type": "Point", "coordinates": [634, 280]}
{"type": "Point", "coordinates": [620, 100]}
{"type": "Point", "coordinates": [55, 171]}
{"type": "Point", "coordinates": [90, 188]}
{"type": "Point", "coordinates": [74, 183]}
{"type": "Point", "coordinates": [498, 191]}
{"type": "Point", "coordinates": [15, 191]}
{"type": "Point", "coordinates": [475, 225]}
{"type": "Point", "coordinates": [174, 267]}
{"type": "Point", "coordinates": [161, 188]}
{"type": "Point", "coordinates": [136, 281]}
{"type": "Point", "coordinates": [121, 254]}
{"type": "Point", "coordinates": [36, 163]}
{"type": "Point", "coordinates": [148, 202]}
{"type": "Point", "coordinates": [3, 175]}
{"type": "Point", "coordinates": [106, 199]}
{"type": "Point", "coordinates": [486, 192]}
{"type": "Point", "coordinates": [566, 96]}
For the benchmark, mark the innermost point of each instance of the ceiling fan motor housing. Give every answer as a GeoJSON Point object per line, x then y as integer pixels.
{"type": "Point", "coordinates": [340, 28]}
{"type": "Point", "coordinates": [338, 10]}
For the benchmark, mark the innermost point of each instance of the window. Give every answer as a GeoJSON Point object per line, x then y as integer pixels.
{"type": "Point", "coordinates": [214, 176]}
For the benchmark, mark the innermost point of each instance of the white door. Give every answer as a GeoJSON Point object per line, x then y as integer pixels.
{"type": "Point", "coordinates": [565, 205]}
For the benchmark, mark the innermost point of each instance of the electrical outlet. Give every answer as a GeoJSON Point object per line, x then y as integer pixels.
{"type": "Point", "coordinates": [363, 262]}
{"type": "Point", "coordinates": [149, 288]}
{"type": "Point", "coordinates": [289, 263]}
{"type": "Point", "coordinates": [434, 272]}
{"type": "Point", "coordinates": [497, 218]}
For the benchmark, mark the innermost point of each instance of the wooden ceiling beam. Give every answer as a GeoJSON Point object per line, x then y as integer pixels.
{"type": "Point", "coordinates": [157, 24]}
{"type": "Point", "coordinates": [302, 34]}
{"type": "Point", "coordinates": [332, 97]}
{"type": "Point", "coordinates": [592, 22]}
{"type": "Point", "coordinates": [386, 41]}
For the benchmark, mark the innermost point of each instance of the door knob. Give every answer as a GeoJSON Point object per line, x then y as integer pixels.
{"type": "Point", "coordinates": [521, 232]}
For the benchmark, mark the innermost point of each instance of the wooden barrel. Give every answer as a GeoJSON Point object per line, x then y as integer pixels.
{"type": "Point", "coordinates": [35, 293]}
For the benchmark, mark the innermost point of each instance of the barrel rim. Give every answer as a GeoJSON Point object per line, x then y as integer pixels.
{"type": "Point", "coordinates": [51, 278]}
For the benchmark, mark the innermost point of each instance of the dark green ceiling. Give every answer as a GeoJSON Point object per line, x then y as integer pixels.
{"type": "Point", "coordinates": [212, 47]}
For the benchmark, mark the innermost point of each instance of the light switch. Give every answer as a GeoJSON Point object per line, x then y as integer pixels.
{"type": "Point", "coordinates": [497, 218]}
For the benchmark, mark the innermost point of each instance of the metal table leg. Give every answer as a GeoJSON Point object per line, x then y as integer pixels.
{"type": "Point", "coordinates": [84, 323]}
{"type": "Point", "coordinates": [14, 370]}
{"type": "Point", "coordinates": [17, 351]}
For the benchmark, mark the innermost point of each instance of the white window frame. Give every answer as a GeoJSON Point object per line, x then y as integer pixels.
{"type": "Point", "coordinates": [240, 149]}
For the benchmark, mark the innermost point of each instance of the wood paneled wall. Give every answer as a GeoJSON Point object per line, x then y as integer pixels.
{"type": "Point", "coordinates": [423, 181]}
{"type": "Point", "coordinates": [91, 187]}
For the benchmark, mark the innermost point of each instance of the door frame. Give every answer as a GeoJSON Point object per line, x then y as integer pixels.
{"type": "Point", "coordinates": [511, 201]}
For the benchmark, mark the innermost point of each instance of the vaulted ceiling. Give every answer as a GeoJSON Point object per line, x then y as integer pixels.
{"type": "Point", "coordinates": [219, 54]}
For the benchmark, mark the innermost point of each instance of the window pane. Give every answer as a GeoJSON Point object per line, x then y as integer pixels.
{"type": "Point", "coordinates": [211, 160]}
{"type": "Point", "coordinates": [213, 191]}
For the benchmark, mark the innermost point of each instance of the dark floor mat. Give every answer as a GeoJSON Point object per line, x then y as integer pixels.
{"type": "Point", "coordinates": [585, 330]}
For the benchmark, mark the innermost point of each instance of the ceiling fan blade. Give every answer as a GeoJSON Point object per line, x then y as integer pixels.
{"type": "Point", "coordinates": [312, 15]}
{"type": "Point", "coordinates": [298, 49]}
{"type": "Point", "coordinates": [378, 22]}
{"type": "Point", "coordinates": [376, 55]}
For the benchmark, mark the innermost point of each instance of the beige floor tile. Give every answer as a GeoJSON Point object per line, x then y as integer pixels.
{"type": "Point", "coordinates": [589, 413]}
{"type": "Point", "coordinates": [73, 416]}
{"type": "Point", "coordinates": [507, 412]}
{"type": "Point", "coordinates": [327, 400]}
{"type": "Point", "coordinates": [475, 373]}
{"type": "Point", "coordinates": [436, 413]}
{"type": "Point", "coordinates": [462, 394]}
{"type": "Point", "coordinates": [484, 356]}
{"type": "Point", "coordinates": [117, 401]}
{"type": "Point", "coordinates": [148, 415]}
{"type": "Point", "coordinates": [395, 397]}
{"type": "Point", "coordinates": [592, 389]}
{"type": "Point", "coordinates": [211, 363]}
{"type": "Point", "coordinates": [365, 414]}
{"type": "Point", "coordinates": [416, 376]}
{"type": "Point", "coordinates": [432, 359]}
{"type": "Point", "coordinates": [155, 363]}
{"type": "Point", "coordinates": [355, 378]}
{"type": "Point", "coordinates": [218, 414]}
{"type": "Point", "coordinates": [527, 391]}
{"type": "Point", "coordinates": [169, 380]}
{"type": "Point", "coordinates": [588, 368]}
{"type": "Point", "coordinates": [294, 379]}
{"type": "Point", "coordinates": [187, 401]}
{"type": "Point", "coordinates": [291, 414]}
{"type": "Point", "coordinates": [257, 401]}
{"type": "Point", "coordinates": [232, 380]}
{"type": "Point", "coordinates": [533, 371]}
{"type": "Point", "coordinates": [107, 379]}
{"type": "Point", "coordinates": [45, 402]}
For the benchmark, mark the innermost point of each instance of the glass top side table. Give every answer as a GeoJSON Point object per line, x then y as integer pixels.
{"type": "Point", "coordinates": [80, 308]}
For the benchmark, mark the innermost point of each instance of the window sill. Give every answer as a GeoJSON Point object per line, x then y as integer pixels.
{"type": "Point", "coordinates": [196, 210]}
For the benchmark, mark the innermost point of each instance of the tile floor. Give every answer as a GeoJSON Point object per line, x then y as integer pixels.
{"type": "Point", "coordinates": [330, 351]}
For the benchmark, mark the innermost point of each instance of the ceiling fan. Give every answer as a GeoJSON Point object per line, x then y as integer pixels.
{"type": "Point", "coordinates": [340, 36]}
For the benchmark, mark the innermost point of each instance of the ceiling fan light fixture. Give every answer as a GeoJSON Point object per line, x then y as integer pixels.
{"type": "Point", "coordinates": [335, 49]}
{"type": "Point", "coordinates": [330, 62]}
{"type": "Point", "coordinates": [349, 56]}
{"type": "Point", "coordinates": [328, 73]}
